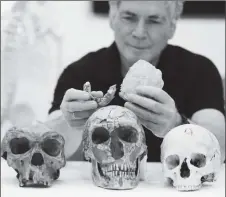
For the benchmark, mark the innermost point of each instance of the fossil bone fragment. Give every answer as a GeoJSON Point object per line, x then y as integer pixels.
{"type": "Point", "coordinates": [141, 73]}
{"type": "Point", "coordinates": [106, 99]}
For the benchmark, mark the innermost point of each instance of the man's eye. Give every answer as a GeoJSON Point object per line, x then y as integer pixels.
{"type": "Point", "coordinates": [128, 18]}
{"type": "Point", "coordinates": [153, 22]}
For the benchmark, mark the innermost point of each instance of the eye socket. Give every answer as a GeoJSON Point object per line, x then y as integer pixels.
{"type": "Point", "coordinates": [51, 147]}
{"type": "Point", "coordinates": [127, 134]}
{"type": "Point", "coordinates": [19, 145]}
{"type": "Point", "coordinates": [100, 135]}
{"type": "Point", "coordinates": [198, 160]}
{"type": "Point", "coordinates": [172, 161]}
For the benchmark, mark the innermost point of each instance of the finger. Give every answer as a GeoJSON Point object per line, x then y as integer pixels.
{"type": "Point", "coordinates": [77, 123]}
{"type": "Point", "coordinates": [150, 126]}
{"type": "Point", "coordinates": [143, 113]}
{"type": "Point", "coordinates": [83, 114]}
{"type": "Point", "coordinates": [156, 129]}
{"type": "Point", "coordinates": [147, 103]}
{"type": "Point", "coordinates": [78, 114]}
{"type": "Point", "coordinates": [75, 106]}
{"type": "Point", "coordinates": [155, 93]}
{"type": "Point", "coordinates": [98, 94]}
{"type": "Point", "coordinates": [74, 94]}
{"type": "Point", "coordinates": [69, 116]}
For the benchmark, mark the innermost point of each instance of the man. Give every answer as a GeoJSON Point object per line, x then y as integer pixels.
{"type": "Point", "coordinates": [192, 84]}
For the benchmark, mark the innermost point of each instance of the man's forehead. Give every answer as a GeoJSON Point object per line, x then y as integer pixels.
{"type": "Point", "coordinates": [144, 8]}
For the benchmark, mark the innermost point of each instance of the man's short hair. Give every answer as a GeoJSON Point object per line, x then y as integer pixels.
{"type": "Point", "coordinates": [176, 7]}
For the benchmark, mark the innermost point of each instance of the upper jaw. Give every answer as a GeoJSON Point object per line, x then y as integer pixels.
{"type": "Point", "coordinates": [116, 171]}
{"type": "Point", "coordinates": [36, 176]}
{"type": "Point", "coordinates": [188, 187]}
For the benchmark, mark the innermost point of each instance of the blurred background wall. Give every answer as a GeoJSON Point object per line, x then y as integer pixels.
{"type": "Point", "coordinates": [80, 31]}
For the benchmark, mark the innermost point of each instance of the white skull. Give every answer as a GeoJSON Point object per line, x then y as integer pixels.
{"type": "Point", "coordinates": [36, 154]}
{"type": "Point", "coordinates": [190, 155]}
{"type": "Point", "coordinates": [114, 141]}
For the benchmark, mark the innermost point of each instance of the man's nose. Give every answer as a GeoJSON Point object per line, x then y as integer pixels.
{"type": "Point", "coordinates": [140, 30]}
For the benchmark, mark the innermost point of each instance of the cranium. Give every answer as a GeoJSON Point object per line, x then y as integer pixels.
{"type": "Point", "coordinates": [190, 155]}
{"type": "Point", "coordinates": [140, 73]}
{"type": "Point", "coordinates": [36, 153]}
{"type": "Point", "coordinates": [114, 141]}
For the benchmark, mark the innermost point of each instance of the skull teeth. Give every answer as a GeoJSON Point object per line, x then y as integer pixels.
{"type": "Point", "coordinates": [116, 167]}
{"type": "Point", "coordinates": [120, 174]}
{"type": "Point", "coordinates": [188, 187]}
{"type": "Point", "coordinates": [126, 171]}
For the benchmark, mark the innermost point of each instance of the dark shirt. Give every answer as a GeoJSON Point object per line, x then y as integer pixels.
{"type": "Point", "coordinates": [190, 79]}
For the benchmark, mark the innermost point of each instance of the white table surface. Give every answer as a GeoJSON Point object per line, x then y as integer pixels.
{"type": "Point", "coordinates": [75, 180]}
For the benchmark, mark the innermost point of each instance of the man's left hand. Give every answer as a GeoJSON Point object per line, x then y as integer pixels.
{"type": "Point", "coordinates": [155, 109]}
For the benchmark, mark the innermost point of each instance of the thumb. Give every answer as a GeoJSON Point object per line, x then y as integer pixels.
{"type": "Point", "coordinates": [97, 94]}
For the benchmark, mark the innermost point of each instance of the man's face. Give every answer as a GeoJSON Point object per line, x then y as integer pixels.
{"type": "Point", "coordinates": [142, 29]}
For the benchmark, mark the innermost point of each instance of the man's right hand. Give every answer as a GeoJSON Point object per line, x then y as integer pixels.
{"type": "Point", "coordinates": [77, 106]}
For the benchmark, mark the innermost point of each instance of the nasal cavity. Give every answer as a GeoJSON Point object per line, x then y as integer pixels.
{"type": "Point", "coordinates": [37, 159]}
{"type": "Point", "coordinates": [116, 146]}
{"type": "Point", "coordinates": [184, 171]}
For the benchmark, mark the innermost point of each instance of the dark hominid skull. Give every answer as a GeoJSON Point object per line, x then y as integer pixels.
{"type": "Point", "coordinates": [36, 154]}
{"type": "Point", "coordinates": [114, 141]}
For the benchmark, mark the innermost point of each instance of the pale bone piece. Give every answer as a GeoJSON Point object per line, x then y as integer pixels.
{"type": "Point", "coordinates": [142, 73]}
{"type": "Point", "coordinates": [106, 99]}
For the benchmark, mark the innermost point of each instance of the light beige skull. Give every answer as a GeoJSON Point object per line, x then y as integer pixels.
{"type": "Point", "coordinates": [36, 153]}
{"type": "Point", "coordinates": [114, 141]}
{"type": "Point", "coordinates": [141, 73]}
{"type": "Point", "coordinates": [190, 155]}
